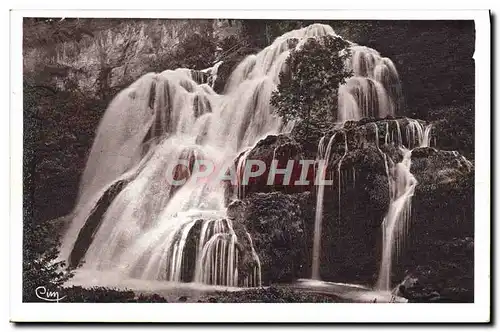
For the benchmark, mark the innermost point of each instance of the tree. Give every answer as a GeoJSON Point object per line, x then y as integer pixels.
{"type": "Point", "coordinates": [308, 87]}
{"type": "Point", "coordinates": [197, 51]}
{"type": "Point", "coordinates": [40, 239]}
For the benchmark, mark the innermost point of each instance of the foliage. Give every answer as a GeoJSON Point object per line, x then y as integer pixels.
{"type": "Point", "coordinates": [197, 51]}
{"type": "Point", "coordinates": [53, 158]}
{"type": "Point", "coordinates": [454, 128]}
{"type": "Point", "coordinates": [231, 47]}
{"type": "Point", "coordinates": [59, 129]}
{"type": "Point", "coordinates": [40, 240]}
{"type": "Point", "coordinates": [40, 264]}
{"type": "Point", "coordinates": [308, 134]}
{"type": "Point", "coordinates": [308, 88]}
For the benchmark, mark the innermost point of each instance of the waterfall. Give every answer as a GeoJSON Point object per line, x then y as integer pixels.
{"type": "Point", "coordinates": [339, 171]}
{"type": "Point", "coordinates": [218, 263]}
{"type": "Point", "coordinates": [401, 188]}
{"type": "Point", "coordinates": [130, 218]}
{"type": "Point", "coordinates": [322, 168]}
{"type": "Point", "coordinates": [323, 160]}
{"type": "Point", "coordinates": [403, 133]}
{"type": "Point", "coordinates": [373, 91]}
{"type": "Point", "coordinates": [144, 208]}
{"type": "Point", "coordinates": [240, 170]}
{"type": "Point", "coordinates": [212, 72]}
{"type": "Point", "coordinates": [396, 221]}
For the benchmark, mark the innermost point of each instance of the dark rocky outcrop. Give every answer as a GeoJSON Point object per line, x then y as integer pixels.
{"type": "Point", "coordinates": [444, 272]}
{"type": "Point", "coordinates": [86, 234]}
{"type": "Point", "coordinates": [281, 148]}
{"type": "Point", "coordinates": [224, 72]}
{"type": "Point", "coordinates": [276, 222]}
{"type": "Point", "coordinates": [440, 250]}
{"type": "Point", "coordinates": [443, 204]}
{"type": "Point", "coordinates": [354, 208]}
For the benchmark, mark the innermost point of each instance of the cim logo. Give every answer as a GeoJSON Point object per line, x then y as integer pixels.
{"type": "Point", "coordinates": [50, 296]}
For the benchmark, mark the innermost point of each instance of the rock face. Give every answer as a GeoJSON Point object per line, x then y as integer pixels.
{"type": "Point", "coordinates": [276, 222]}
{"type": "Point", "coordinates": [447, 273]}
{"type": "Point", "coordinates": [108, 54]}
{"type": "Point", "coordinates": [224, 72]}
{"type": "Point", "coordinates": [440, 251]}
{"type": "Point", "coordinates": [278, 148]}
{"type": "Point", "coordinates": [444, 197]}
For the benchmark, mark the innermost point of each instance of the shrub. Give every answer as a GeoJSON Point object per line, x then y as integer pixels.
{"type": "Point", "coordinates": [308, 87]}
{"type": "Point", "coordinates": [197, 51]}
{"type": "Point", "coordinates": [40, 265]}
{"type": "Point", "coordinates": [454, 128]}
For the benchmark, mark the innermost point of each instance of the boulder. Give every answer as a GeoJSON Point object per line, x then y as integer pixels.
{"type": "Point", "coordinates": [446, 274]}
{"type": "Point", "coordinates": [281, 148]}
{"type": "Point", "coordinates": [276, 223]}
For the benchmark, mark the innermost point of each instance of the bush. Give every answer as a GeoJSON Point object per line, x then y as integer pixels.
{"type": "Point", "coordinates": [40, 265]}
{"type": "Point", "coordinates": [197, 51]}
{"type": "Point", "coordinates": [308, 88]}
{"type": "Point", "coordinates": [454, 129]}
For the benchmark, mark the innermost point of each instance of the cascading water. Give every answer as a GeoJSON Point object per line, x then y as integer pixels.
{"type": "Point", "coordinates": [339, 171]}
{"type": "Point", "coordinates": [322, 167]}
{"type": "Point", "coordinates": [401, 189]}
{"type": "Point", "coordinates": [405, 134]}
{"type": "Point", "coordinates": [131, 220]}
{"type": "Point", "coordinates": [373, 91]}
{"type": "Point", "coordinates": [144, 229]}
{"type": "Point", "coordinates": [218, 262]}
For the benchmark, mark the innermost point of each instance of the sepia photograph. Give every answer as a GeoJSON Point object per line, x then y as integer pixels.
{"type": "Point", "coordinates": [243, 160]}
